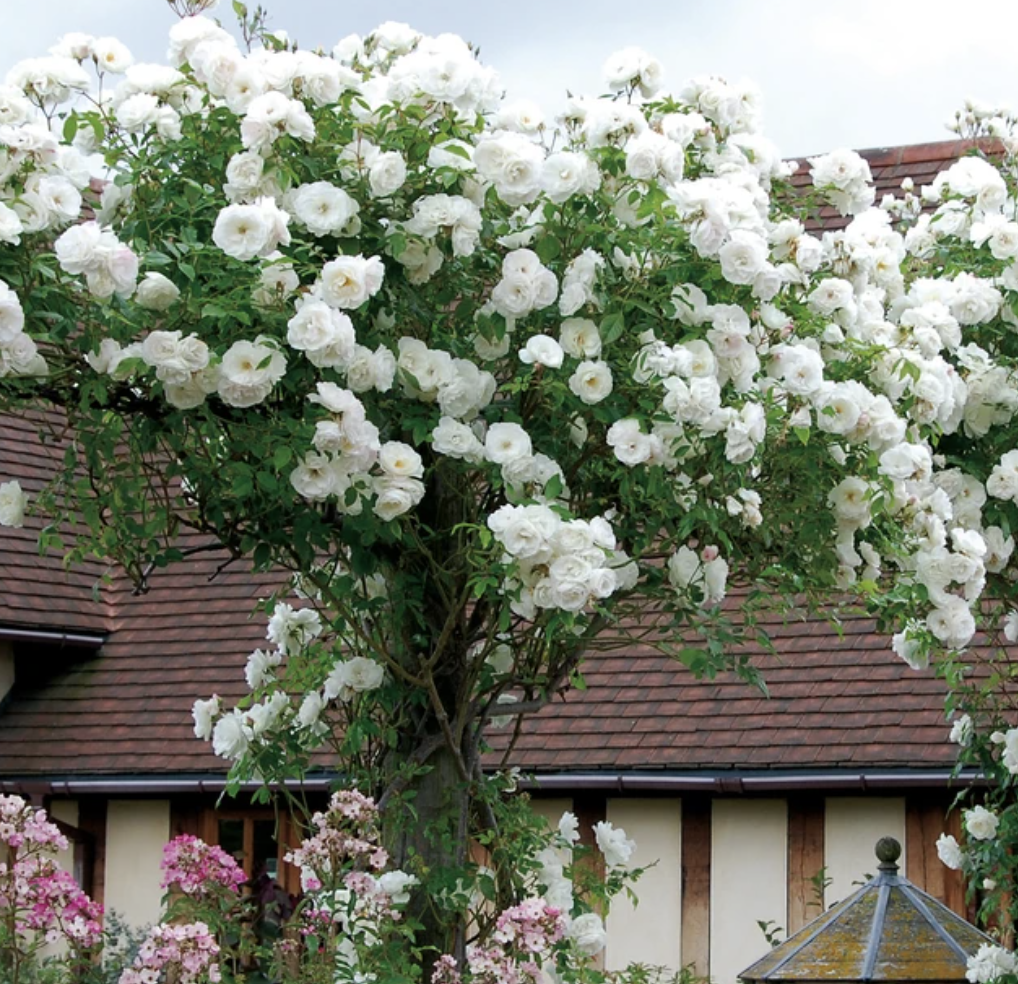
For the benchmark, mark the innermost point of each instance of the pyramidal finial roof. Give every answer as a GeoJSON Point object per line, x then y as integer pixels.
{"type": "Point", "coordinates": [889, 930]}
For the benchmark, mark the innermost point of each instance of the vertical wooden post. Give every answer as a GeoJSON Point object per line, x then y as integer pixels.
{"type": "Point", "coordinates": [805, 859]}
{"type": "Point", "coordinates": [926, 818]}
{"type": "Point", "coordinates": [696, 851]}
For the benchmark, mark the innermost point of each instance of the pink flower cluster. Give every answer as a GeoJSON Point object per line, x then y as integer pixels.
{"type": "Point", "coordinates": [45, 899]}
{"type": "Point", "coordinates": [194, 866]}
{"type": "Point", "coordinates": [52, 904]}
{"type": "Point", "coordinates": [532, 926]}
{"type": "Point", "coordinates": [21, 826]}
{"type": "Point", "coordinates": [370, 901]}
{"type": "Point", "coordinates": [188, 950]}
{"type": "Point", "coordinates": [445, 971]}
{"type": "Point", "coordinates": [524, 934]}
{"type": "Point", "coordinates": [346, 833]}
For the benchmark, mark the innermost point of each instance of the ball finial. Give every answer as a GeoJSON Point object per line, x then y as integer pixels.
{"type": "Point", "coordinates": [888, 851]}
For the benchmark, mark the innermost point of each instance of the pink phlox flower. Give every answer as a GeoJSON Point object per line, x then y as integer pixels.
{"type": "Point", "coordinates": [195, 867]}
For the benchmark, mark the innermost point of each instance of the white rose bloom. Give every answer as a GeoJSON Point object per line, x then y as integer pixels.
{"type": "Point", "coordinates": [203, 712]}
{"type": "Point", "coordinates": [12, 316]}
{"type": "Point", "coordinates": [962, 730]}
{"type": "Point", "coordinates": [111, 55]}
{"type": "Point", "coordinates": [243, 232]}
{"type": "Point", "coordinates": [60, 198]}
{"type": "Point", "coordinates": [567, 173]}
{"type": "Point", "coordinates": [11, 226]}
{"type": "Point", "coordinates": [387, 174]}
{"type": "Point", "coordinates": [323, 208]}
{"type": "Point", "coordinates": [348, 281]}
{"type": "Point", "coordinates": [580, 338]}
{"type": "Point", "coordinates": [980, 823]}
{"type": "Point", "coordinates": [952, 622]}
{"type": "Point", "coordinates": [248, 371]}
{"type": "Point", "coordinates": [316, 327]}
{"type": "Point", "coordinates": [349, 49]}
{"type": "Point", "coordinates": [314, 478]}
{"type": "Point", "coordinates": [592, 381]}
{"type": "Point", "coordinates": [990, 963]}
{"type": "Point", "coordinates": [400, 460]}
{"type": "Point", "coordinates": [1010, 741]}
{"type": "Point", "coordinates": [244, 173]}
{"type": "Point", "coordinates": [353, 676]}
{"type": "Point", "coordinates": [1010, 626]}
{"type": "Point", "coordinates": [78, 247]}
{"type": "Point", "coordinates": [506, 441]}
{"type": "Point", "coordinates": [277, 281]}
{"type": "Point", "coordinates": [138, 111]}
{"type": "Point", "coordinates": [192, 392]}
{"type": "Point", "coordinates": [259, 667]}
{"type": "Point", "coordinates": [743, 257]}
{"type": "Point", "coordinates": [168, 126]}
{"type": "Point", "coordinates": [613, 844]}
{"type": "Point", "coordinates": [13, 502]}
{"type": "Point", "coordinates": [290, 628]}
{"type": "Point", "coordinates": [588, 933]}
{"type": "Point", "coordinates": [850, 501]}
{"type": "Point", "coordinates": [162, 351]}
{"type": "Point", "coordinates": [630, 444]}
{"type": "Point", "coordinates": [949, 852]}
{"type": "Point", "coordinates": [909, 649]}
{"type": "Point", "coordinates": [396, 496]}
{"type": "Point", "coordinates": [156, 292]}
{"type": "Point", "coordinates": [310, 711]}
{"type": "Point", "coordinates": [633, 66]}
{"type": "Point", "coordinates": [513, 163]}
{"type": "Point", "coordinates": [231, 736]}
{"type": "Point", "coordinates": [542, 350]}
{"type": "Point", "coordinates": [456, 440]}
{"type": "Point", "coordinates": [74, 45]}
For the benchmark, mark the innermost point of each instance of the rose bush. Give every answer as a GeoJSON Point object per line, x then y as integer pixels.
{"type": "Point", "coordinates": [496, 390]}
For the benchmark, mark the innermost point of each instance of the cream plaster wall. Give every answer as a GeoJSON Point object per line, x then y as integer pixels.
{"type": "Point", "coordinates": [749, 864]}
{"type": "Point", "coordinates": [852, 827]}
{"type": "Point", "coordinates": [136, 831]}
{"type": "Point", "coordinates": [649, 932]}
{"type": "Point", "coordinates": [551, 809]}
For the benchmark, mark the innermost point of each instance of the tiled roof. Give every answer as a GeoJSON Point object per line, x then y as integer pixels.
{"type": "Point", "coordinates": [837, 700]}
{"type": "Point", "coordinates": [127, 710]}
{"type": "Point", "coordinates": [889, 167]}
{"type": "Point", "coordinates": [38, 592]}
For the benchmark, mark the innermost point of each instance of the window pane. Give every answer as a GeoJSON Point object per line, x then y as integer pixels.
{"type": "Point", "coordinates": [266, 853]}
{"type": "Point", "coordinates": [231, 839]}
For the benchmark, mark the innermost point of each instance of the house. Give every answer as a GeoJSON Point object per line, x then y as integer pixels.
{"type": "Point", "coordinates": [754, 808]}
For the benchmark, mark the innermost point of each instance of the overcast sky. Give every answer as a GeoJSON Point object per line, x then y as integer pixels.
{"type": "Point", "coordinates": [863, 74]}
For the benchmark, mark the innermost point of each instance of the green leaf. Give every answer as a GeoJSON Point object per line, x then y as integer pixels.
{"type": "Point", "coordinates": [397, 244]}
{"type": "Point", "coordinates": [553, 488]}
{"type": "Point", "coordinates": [612, 326]}
{"type": "Point", "coordinates": [802, 433]}
{"type": "Point", "coordinates": [282, 456]}
{"type": "Point", "coordinates": [548, 248]}
{"type": "Point", "coordinates": [457, 151]}
{"type": "Point", "coordinates": [70, 127]}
